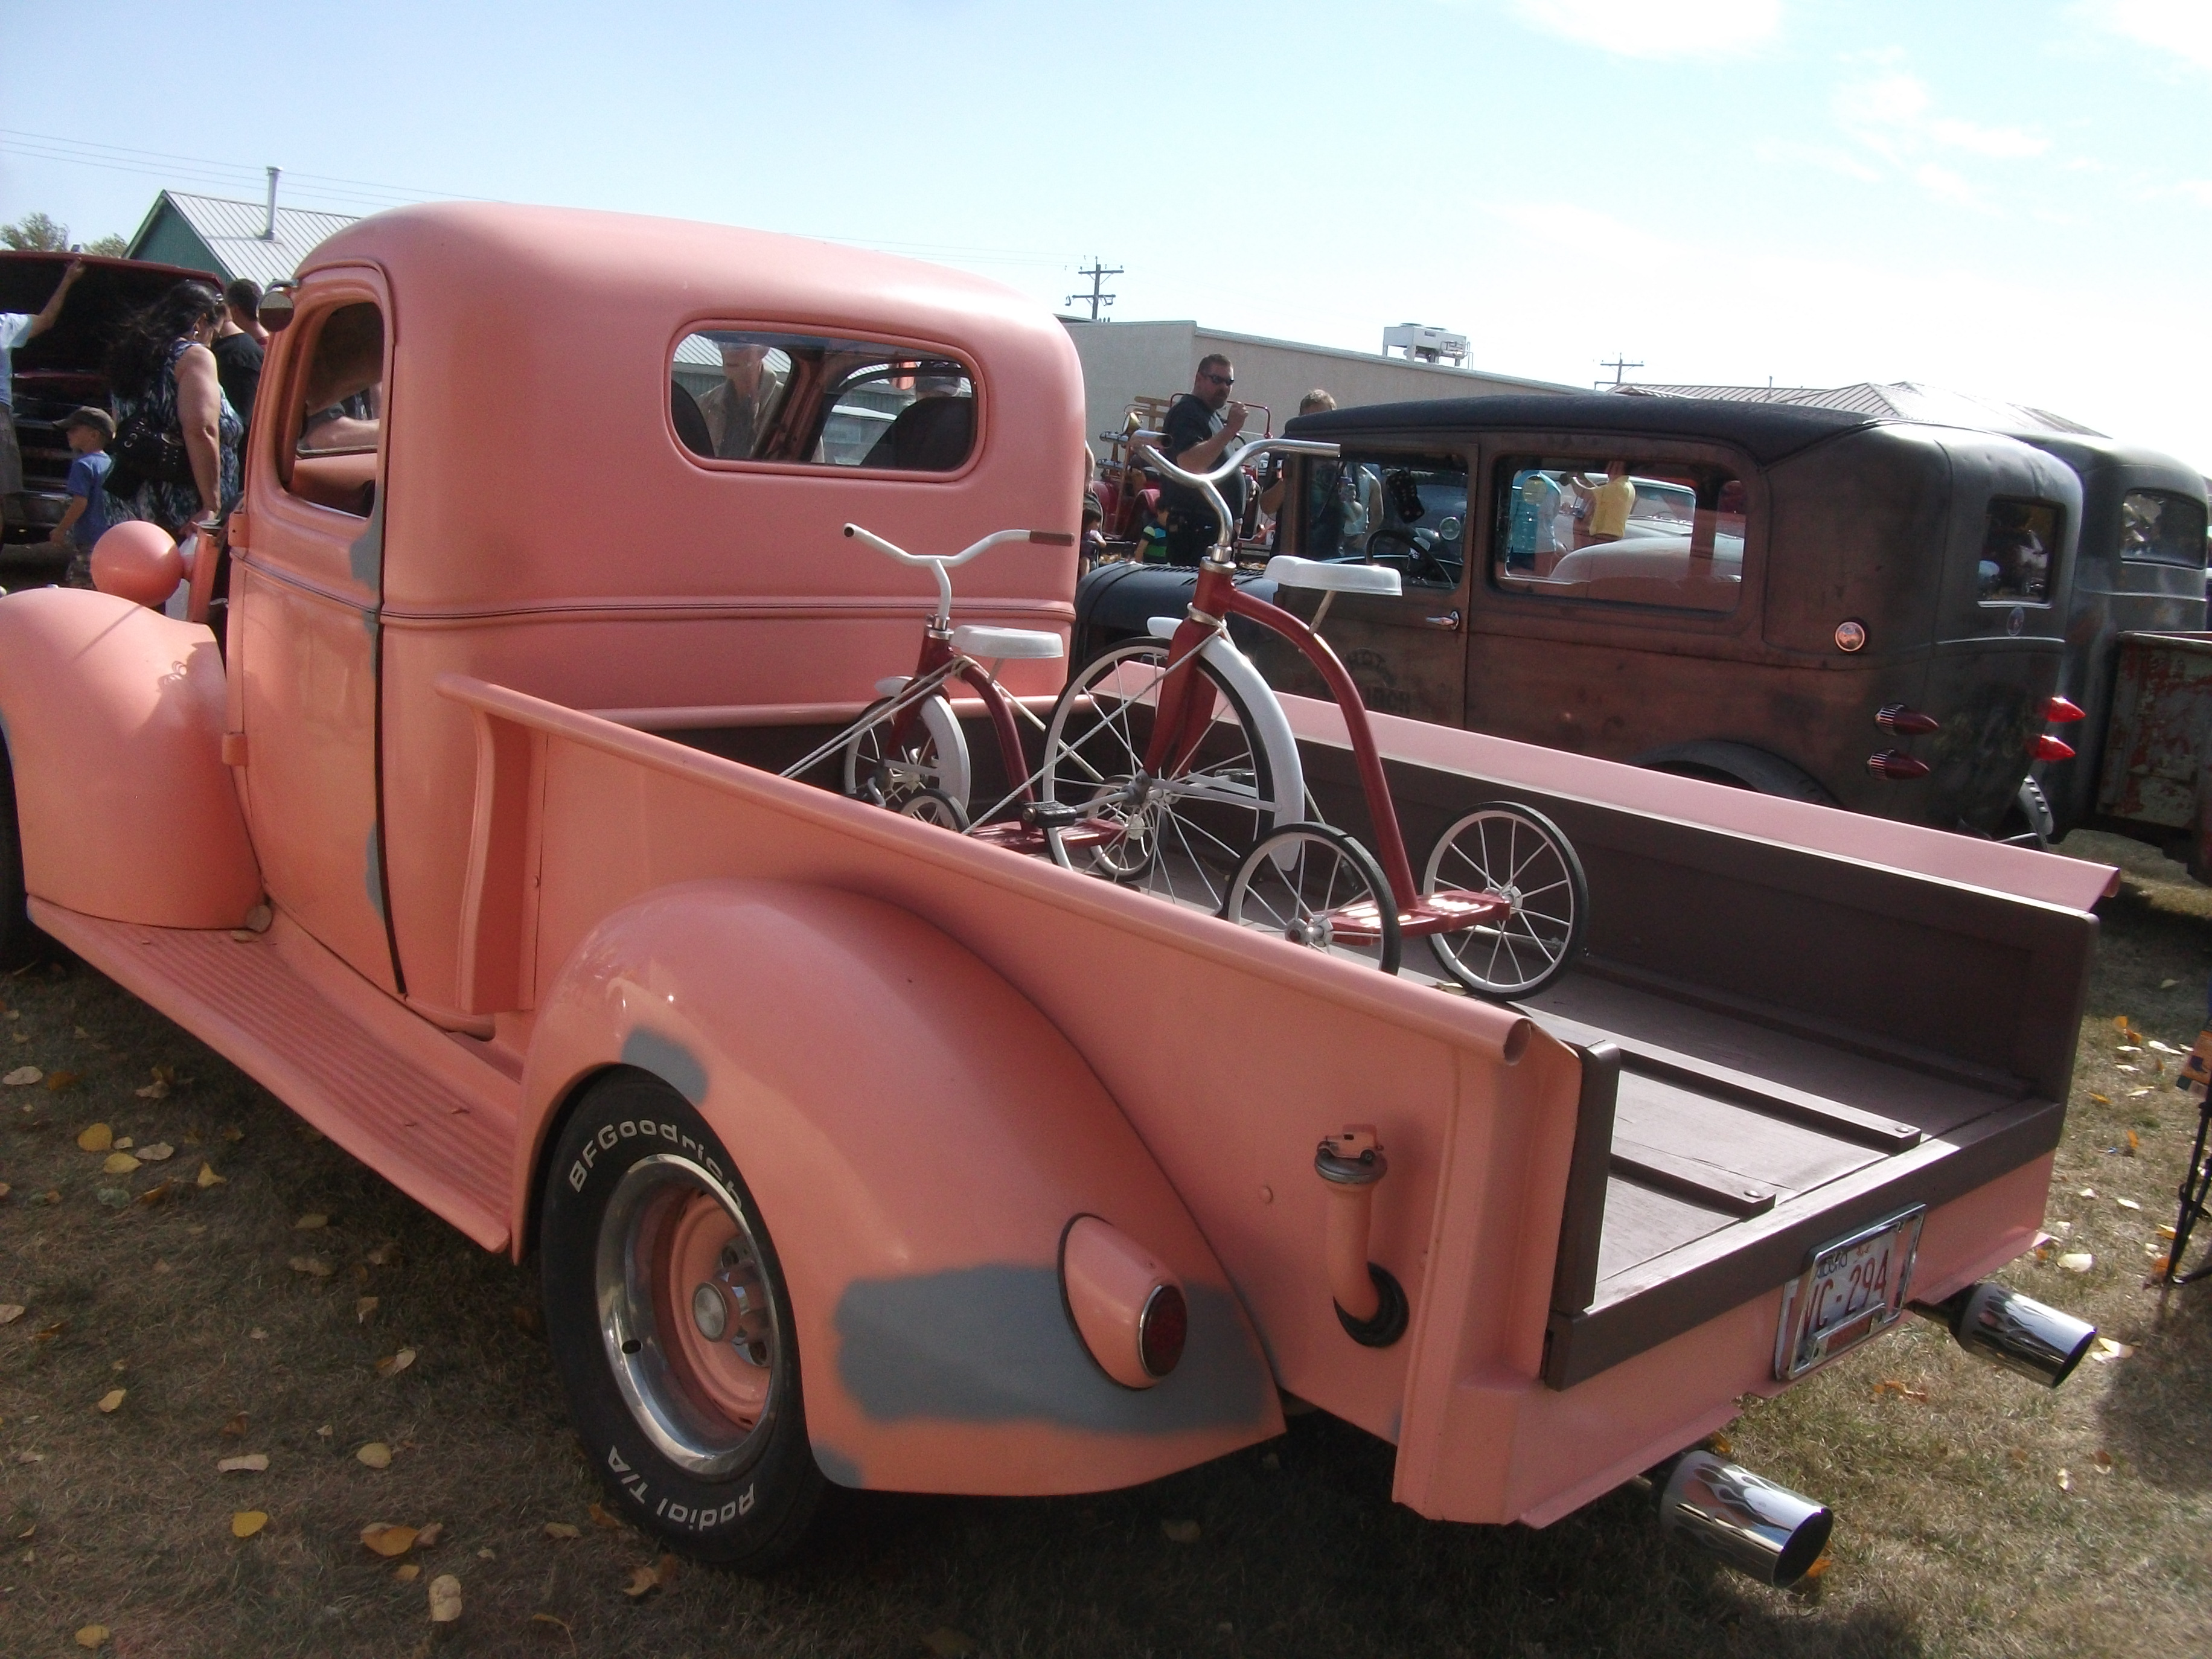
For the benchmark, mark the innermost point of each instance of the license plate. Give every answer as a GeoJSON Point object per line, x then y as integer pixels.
{"type": "Point", "coordinates": [1849, 1291]}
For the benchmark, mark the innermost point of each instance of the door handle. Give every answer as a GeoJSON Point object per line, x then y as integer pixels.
{"type": "Point", "coordinates": [1446, 619]}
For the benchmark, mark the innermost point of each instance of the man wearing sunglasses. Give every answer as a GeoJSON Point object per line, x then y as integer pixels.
{"type": "Point", "coordinates": [1197, 430]}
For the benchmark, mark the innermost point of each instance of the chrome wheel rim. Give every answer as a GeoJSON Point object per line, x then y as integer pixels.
{"type": "Point", "coordinates": [689, 1325]}
{"type": "Point", "coordinates": [1500, 852]}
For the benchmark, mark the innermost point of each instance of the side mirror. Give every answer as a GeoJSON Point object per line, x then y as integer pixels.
{"type": "Point", "coordinates": [275, 313]}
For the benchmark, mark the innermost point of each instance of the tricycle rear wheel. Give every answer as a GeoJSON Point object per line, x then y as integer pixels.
{"type": "Point", "coordinates": [672, 1328]}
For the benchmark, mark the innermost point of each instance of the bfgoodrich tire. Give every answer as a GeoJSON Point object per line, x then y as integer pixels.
{"type": "Point", "coordinates": [671, 1329]}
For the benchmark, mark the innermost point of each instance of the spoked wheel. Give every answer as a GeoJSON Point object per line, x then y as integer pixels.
{"type": "Point", "coordinates": [1317, 887]}
{"type": "Point", "coordinates": [935, 806]}
{"type": "Point", "coordinates": [669, 1320]}
{"type": "Point", "coordinates": [931, 755]}
{"type": "Point", "coordinates": [1522, 856]}
{"type": "Point", "coordinates": [1181, 837]}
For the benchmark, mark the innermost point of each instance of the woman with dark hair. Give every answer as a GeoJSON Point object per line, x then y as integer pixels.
{"type": "Point", "coordinates": [163, 374]}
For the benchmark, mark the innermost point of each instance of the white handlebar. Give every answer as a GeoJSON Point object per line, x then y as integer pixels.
{"type": "Point", "coordinates": [939, 563]}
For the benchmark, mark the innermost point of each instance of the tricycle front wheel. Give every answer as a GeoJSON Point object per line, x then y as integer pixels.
{"type": "Point", "coordinates": [669, 1323]}
{"type": "Point", "coordinates": [1315, 886]}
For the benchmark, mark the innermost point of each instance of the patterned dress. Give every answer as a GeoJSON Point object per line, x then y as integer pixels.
{"type": "Point", "coordinates": [170, 505]}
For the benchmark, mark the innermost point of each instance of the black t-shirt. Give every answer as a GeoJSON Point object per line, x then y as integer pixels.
{"type": "Point", "coordinates": [1189, 423]}
{"type": "Point", "coordinates": [238, 370]}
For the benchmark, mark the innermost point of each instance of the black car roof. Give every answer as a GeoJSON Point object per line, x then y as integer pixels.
{"type": "Point", "coordinates": [1766, 432]}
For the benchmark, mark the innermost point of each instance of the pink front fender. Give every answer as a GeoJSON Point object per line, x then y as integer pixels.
{"type": "Point", "coordinates": [113, 717]}
{"type": "Point", "coordinates": [917, 1136]}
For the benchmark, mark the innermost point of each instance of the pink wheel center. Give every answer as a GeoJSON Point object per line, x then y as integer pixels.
{"type": "Point", "coordinates": [713, 1306]}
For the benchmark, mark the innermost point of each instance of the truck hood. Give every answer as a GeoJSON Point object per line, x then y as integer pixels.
{"type": "Point", "coordinates": [109, 291]}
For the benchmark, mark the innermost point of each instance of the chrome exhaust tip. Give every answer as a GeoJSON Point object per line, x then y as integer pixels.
{"type": "Point", "coordinates": [2014, 1331]}
{"type": "Point", "coordinates": [1768, 1531]}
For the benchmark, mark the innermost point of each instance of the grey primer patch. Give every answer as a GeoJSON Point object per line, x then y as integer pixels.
{"type": "Point", "coordinates": [374, 878]}
{"type": "Point", "coordinates": [365, 557]}
{"type": "Point", "coordinates": [992, 1345]}
{"type": "Point", "coordinates": [838, 1469]}
{"type": "Point", "coordinates": [667, 1059]}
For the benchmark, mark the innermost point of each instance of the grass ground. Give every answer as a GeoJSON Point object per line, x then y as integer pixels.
{"type": "Point", "coordinates": [1979, 1515]}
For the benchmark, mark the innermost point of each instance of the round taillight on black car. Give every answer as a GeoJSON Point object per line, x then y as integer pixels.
{"type": "Point", "coordinates": [1162, 1330]}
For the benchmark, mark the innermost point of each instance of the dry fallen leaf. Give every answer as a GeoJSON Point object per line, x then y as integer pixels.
{"type": "Point", "coordinates": [2107, 1351]}
{"type": "Point", "coordinates": [92, 1636]}
{"type": "Point", "coordinates": [208, 1177]}
{"type": "Point", "coordinates": [119, 1163]}
{"type": "Point", "coordinates": [246, 1522]}
{"type": "Point", "coordinates": [387, 1539]}
{"type": "Point", "coordinates": [60, 1081]}
{"type": "Point", "coordinates": [362, 1309]}
{"type": "Point", "coordinates": [445, 1599]}
{"type": "Point", "coordinates": [232, 1131]}
{"type": "Point", "coordinates": [407, 1572]}
{"type": "Point", "coordinates": [2077, 1261]}
{"type": "Point", "coordinates": [1890, 1385]}
{"type": "Point", "coordinates": [2167, 984]}
{"type": "Point", "coordinates": [51, 1331]}
{"type": "Point", "coordinates": [1181, 1532]}
{"type": "Point", "coordinates": [641, 1579]}
{"type": "Point", "coordinates": [562, 1529]}
{"type": "Point", "coordinates": [158, 1151]}
{"type": "Point", "coordinates": [601, 1518]}
{"type": "Point", "coordinates": [157, 1193]}
{"type": "Point", "coordinates": [429, 1534]}
{"type": "Point", "coordinates": [10, 1312]}
{"type": "Point", "coordinates": [313, 1265]}
{"type": "Point", "coordinates": [948, 1643]}
{"type": "Point", "coordinates": [311, 1223]}
{"type": "Point", "coordinates": [2065, 1481]}
{"type": "Point", "coordinates": [22, 1077]}
{"type": "Point", "coordinates": [548, 1619]}
{"type": "Point", "coordinates": [251, 1463]}
{"type": "Point", "coordinates": [664, 1571]}
{"type": "Point", "coordinates": [2165, 1231]}
{"type": "Point", "coordinates": [111, 1398]}
{"type": "Point", "coordinates": [157, 1090]}
{"type": "Point", "coordinates": [2101, 1100]}
{"type": "Point", "coordinates": [2103, 1460]}
{"type": "Point", "coordinates": [376, 1455]}
{"type": "Point", "coordinates": [2127, 1203]}
{"type": "Point", "coordinates": [392, 1365]}
{"type": "Point", "coordinates": [384, 1254]}
{"type": "Point", "coordinates": [236, 1427]}
{"type": "Point", "coordinates": [96, 1138]}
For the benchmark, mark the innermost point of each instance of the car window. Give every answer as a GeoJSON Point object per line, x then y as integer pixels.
{"type": "Point", "coordinates": [2162, 528]}
{"type": "Point", "coordinates": [1620, 529]}
{"type": "Point", "coordinates": [750, 395]}
{"type": "Point", "coordinates": [2020, 540]}
{"type": "Point", "coordinates": [1408, 513]}
{"type": "Point", "coordinates": [336, 416]}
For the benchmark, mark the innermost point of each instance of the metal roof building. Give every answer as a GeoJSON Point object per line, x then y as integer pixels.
{"type": "Point", "coordinates": [238, 239]}
{"type": "Point", "coordinates": [1895, 400]}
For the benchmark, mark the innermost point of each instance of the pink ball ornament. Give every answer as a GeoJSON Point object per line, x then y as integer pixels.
{"type": "Point", "coordinates": [139, 562]}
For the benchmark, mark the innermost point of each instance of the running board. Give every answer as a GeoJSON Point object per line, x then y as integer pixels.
{"type": "Point", "coordinates": [406, 1099]}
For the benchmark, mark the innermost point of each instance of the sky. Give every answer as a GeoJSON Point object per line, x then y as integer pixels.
{"type": "Point", "coordinates": [2012, 199]}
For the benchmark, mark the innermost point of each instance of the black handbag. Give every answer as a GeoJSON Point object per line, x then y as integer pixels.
{"type": "Point", "coordinates": [145, 452]}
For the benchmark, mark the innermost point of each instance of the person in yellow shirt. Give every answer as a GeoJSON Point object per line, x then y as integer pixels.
{"type": "Point", "coordinates": [1607, 505]}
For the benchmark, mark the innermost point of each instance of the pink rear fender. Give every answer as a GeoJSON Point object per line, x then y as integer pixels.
{"type": "Point", "coordinates": [113, 718]}
{"type": "Point", "coordinates": [918, 1137]}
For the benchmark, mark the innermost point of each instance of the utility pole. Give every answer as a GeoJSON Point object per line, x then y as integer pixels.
{"type": "Point", "coordinates": [1620, 366]}
{"type": "Point", "coordinates": [1097, 270]}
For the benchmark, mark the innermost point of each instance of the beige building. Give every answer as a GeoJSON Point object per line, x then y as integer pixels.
{"type": "Point", "coordinates": [1123, 361]}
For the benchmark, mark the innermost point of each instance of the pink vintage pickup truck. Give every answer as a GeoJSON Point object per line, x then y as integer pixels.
{"type": "Point", "coordinates": [859, 1153]}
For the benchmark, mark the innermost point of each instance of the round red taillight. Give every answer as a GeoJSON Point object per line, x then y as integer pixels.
{"type": "Point", "coordinates": [1162, 1330]}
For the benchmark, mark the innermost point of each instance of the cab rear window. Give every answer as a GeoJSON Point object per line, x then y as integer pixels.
{"type": "Point", "coordinates": [753, 395]}
{"type": "Point", "coordinates": [2162, 528]}
{"type": "Point", "coordinates": [2019, 543]}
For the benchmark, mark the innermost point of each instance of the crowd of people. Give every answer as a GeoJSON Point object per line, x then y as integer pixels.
{"type": "Point", "coordinates": [182, 374]}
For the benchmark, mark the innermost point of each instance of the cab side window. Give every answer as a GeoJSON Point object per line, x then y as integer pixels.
{"type": "Point", "coordinates": [335, 418]}
{"type": "Point", "coordinates": [1407, 512]}
{"type": "Point", "coordinates": [1621, 528]}
{"type": "Point", "coordinates": [749, 395]}
{"type": "Point", "coordinates": [2159, 527]}
{"type": "Point", "coordinates": [2020, 542]}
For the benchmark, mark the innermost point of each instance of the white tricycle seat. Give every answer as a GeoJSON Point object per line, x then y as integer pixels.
{"type": "Point", "coordinates": [1006, 644]}
{"type": "Point", "coordinates": [1286, 570]}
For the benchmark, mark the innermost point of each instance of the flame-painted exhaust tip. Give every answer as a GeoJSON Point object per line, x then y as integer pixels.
{"type": "Point", "coordinates": [1758, 1527]}
{"type": "Point", "coordinates": [2017, 1332]}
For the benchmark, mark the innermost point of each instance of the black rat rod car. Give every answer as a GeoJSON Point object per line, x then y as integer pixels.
{"type": "Point", "coordinates": [1805, 602]}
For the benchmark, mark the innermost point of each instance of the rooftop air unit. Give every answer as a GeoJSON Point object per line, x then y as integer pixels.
{"type": "Point", "coordinates": [1423, 344]}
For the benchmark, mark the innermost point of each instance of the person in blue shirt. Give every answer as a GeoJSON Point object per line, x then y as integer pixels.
{"type": "Point", "coordinates": [89, 431]}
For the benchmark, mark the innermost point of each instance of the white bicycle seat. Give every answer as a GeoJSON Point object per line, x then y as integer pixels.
{"type": "Point", "coordinates": [1011, 644]}
{"type": "Point", "coordinates": [1286, 570]}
